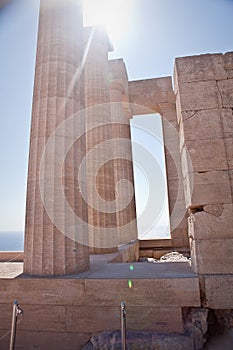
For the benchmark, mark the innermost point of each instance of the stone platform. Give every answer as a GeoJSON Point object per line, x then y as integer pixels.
{"type": "Point", "coordinates": [64, 312]}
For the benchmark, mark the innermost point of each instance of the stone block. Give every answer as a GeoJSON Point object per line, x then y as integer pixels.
{"type": "Point", "coordinates": [215, 222]}
{"type": "Point", "coordinates": [228, 64]}
{"type": "Point", "coordinates": [154, 293]}
{"type": "Point", "coordinates": [181, 241]}
{"type": "Point", "coordinates": [51, 318]}
{"type": "Point", "coordinates": [176, 203]}
{"type": "Point", "coordinates": [200, 68]}
{"type": "Point", "coordinates": [198, 95]}
{"type": "Point", "coordinates": [206, 155]}
{"type": "Point", "coordinates": [171, 167]}
{"type": "Point", "coordinates": [219, 291]}
{"type": "Point", "coordinates": [225, 88]}
{"type": "Point", "coordinates": [175, 195]}
{"type": "Point", "coordinates": [27, 340]}
{"type": "Point", "coordinates": [210, 187]}
{"type": "Point", "coordinates": [160, 319]}
{"type": "Point", "coordinates": [229, 151]}
{"type": "Point", "coordinates": [179, 234]}
{"type": "Point", "coordinates": [43, 291]}
{"type": "Point", "coordinates": [141, 318]}
{"type": "Point", "coordinates": [92, 318]}
{"type": "Point", "coordinates": [168, 112]}
{"type": "Point", "coordinates": [227, 122]}
{"type": "Point", "coordinates": [231, 180]}
{"type": "Point", "coordinates": [212, 256]}
{"type": "Point", "coordinates": [202, 125]}
{"type": "Point", "coordinates": [150, 93]}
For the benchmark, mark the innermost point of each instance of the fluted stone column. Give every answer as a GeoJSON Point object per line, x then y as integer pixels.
{"type": "Point", "coordinates": [58, 87]}
{"type": "Point", "coordinates": [123, 169]}
{"type": "Point", "coordinates": [98, 123]}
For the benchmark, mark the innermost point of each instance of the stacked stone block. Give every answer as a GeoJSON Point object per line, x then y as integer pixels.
{"type": "Point", "coordinates": [203, 87]}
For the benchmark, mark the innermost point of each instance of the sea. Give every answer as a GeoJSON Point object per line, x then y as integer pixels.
{"type": "Point", "coordinates": [11, 241]}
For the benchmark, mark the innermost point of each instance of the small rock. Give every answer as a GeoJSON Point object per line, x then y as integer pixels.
{"type": "Point", "coordinates": [173, 257]}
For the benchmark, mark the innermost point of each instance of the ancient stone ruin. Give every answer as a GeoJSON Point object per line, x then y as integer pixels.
{"type": "Point", "coordinates": [81, 256]}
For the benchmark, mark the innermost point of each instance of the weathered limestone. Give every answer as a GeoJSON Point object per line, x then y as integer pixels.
{"type": "Point", "coordinates": [204, 105]}
{"type": "Point", "coordinates": [212, 256]}
{"type": "Point", "coordinates": [225, 91]}
{"type": "Point", "coordinates": [198, 95]}
{"type": "Point", "coordinates": [178, 221]}
{"type": "Point", "coordinates": [57, 95]}
{"type": "Point", "coordinates": [215, 221]}
{"type": "Point", "coordinates": [122, 165]}
{"type": "Point", "coordinates": [138, 340]}
{"type": "Point", "coordinates": [68, 306]}
{"type": "Point", "coordinates": [218, 291]}
{"type": "Point", "coordinates": [228, 64]}
{"type": "Point", "coordinates": [150, 93]}
{"type": "Point", "coordinates": [99, 171]}
{"type": "Point", "coordinates": [211, 187]}
{"type": "Point", "coordinates": [200, 68]}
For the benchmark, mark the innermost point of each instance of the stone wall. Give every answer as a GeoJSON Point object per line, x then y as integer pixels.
{"type": "Point", "coordinates": [63, 313]}
{"type": "Point", "coordinates": [204, 100]}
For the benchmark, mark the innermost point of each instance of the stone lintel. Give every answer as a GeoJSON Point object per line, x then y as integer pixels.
{"type": "Point", "coordinates": [150, 93]}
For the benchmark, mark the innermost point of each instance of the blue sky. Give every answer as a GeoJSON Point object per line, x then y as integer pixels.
{"type": "Point", "coordinates": [153, 33]}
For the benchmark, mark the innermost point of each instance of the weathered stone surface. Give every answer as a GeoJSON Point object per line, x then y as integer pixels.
{"type": "Point", "coordinates": [229, 151]}
{"type": "Point", "coordinates": [196, 324]}
{"type": "Point", "coordinates": [179, 234]}
{"type": "Point", "coordinates": [200, 68]}
{"type": "Point", "coordinates": [220, 341]}
{"type": "Point", "coordinates": [176, 195]}
{"type": "Point", "coordinates": [138, 340]}
{"type": "Point", "coordinates": [171, 167]}
{"type": "Point", "coordinates": [214, 209]}
{"type": "Point", "coordinates": [48, 251]}
{"type": "Point", "coordinates": [96, 318]}
{"type": "Point", "coordinates": [212, 256]}
{"type": "Point", "coordinates": [228, 60]}
{"type": "Point", "coordinates": [198, 95]}
{"type": "Point", "coordinates": [46, 340]}
{"type": "Point", "coordinates": [202, 125]}
{"type": "Point", "coordinates": [155, 292]}
{"type": "Point", "coordinates": [224, 318]}
{"type": "Point", "coordinates": [226, 92]}
{"type": "Point", "coordinates": [43, 291]}
{"type": "Point", "coordinates": [210, 187]}
{"type": "Point", "coordinates": [168, 112]}
{"type": "Point", "coordinates": [219, 291]}
{"type": "Point", "coordinates": [227, 121]}
{"type": "Point", "coordinates": [216, 221]}
{"type": "Point", "coordinates": [207, 155]}
{"type": "Point", "coordinates": [150, 93]}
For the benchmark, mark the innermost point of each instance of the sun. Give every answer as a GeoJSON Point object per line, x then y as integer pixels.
{"type": "Point", "coordinates": [112, 14]}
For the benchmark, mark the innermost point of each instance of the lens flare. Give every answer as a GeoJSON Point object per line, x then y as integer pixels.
{"type": "Point", "coordinates": [130, 283]}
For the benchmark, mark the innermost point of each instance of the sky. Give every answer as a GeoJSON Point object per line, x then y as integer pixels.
{"type": "Point", "coordinates": [147, 34]}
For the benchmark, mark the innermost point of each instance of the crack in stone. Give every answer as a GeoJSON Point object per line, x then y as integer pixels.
{"type": "Point", "coordinates": [219, 94]}
{"type": "Point", "coordinates": [191, 116]}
